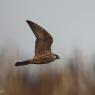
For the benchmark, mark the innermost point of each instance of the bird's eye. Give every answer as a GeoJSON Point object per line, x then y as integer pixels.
{"type": "Point", "coordinates": [54, 57]}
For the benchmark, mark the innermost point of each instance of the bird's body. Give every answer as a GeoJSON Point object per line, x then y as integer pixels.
{"type": "Point", "coordinates": [44, 40]}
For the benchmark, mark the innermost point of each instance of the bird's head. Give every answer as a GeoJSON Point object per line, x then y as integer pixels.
{"type": "Point", "coordinates": [56, 56]}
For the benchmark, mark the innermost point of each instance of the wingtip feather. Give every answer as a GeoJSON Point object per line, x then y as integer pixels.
{"type": "Point", "coordinates": [21, 63]}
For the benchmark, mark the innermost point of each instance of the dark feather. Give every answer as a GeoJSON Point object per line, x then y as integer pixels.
{"type": "Point", "coordinates": [43, 41]}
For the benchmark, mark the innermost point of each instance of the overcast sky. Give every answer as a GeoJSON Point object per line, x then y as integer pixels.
{"type": "Point", "coordinates": [70, 22]}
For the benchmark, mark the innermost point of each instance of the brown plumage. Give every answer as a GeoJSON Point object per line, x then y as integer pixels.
{"type": "Point", "coordinates": [43, 44]}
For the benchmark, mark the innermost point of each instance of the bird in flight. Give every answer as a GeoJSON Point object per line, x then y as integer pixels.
{"type": "Point", "coordinates": [43, 53]}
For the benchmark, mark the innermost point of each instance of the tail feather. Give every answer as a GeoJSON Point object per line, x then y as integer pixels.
{"type": "Point", "coordinates": [23, 63]}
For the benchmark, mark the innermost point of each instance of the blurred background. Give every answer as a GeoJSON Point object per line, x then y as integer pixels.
{"type": "Point", "coordinates": [71, 23]}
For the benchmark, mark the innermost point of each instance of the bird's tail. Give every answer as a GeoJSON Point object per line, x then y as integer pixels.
{"type": "Point", "coordinates": [23, 63]}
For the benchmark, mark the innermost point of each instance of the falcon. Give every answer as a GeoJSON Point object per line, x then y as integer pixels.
{"type": "Point", "coordinates": [43, 53]}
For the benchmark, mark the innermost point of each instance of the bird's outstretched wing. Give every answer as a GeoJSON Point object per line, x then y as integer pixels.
{"type": "Point", "coordinates": [43, 40]}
